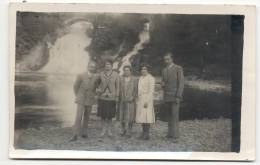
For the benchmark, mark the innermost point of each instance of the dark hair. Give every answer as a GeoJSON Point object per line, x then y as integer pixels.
{"type": "Point", "coordinates": [127, 66]}
{"type": "Point", "coordinates": [145, 65]}
{"type": "Point", "coordinates": [110, 61]}
{"type": "Point", "coordinates": [146, 20]}
{"type": "Point", "coordinates": [168, 54]}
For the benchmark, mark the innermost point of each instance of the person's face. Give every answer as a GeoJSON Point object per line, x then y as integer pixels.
{"type": "Point", "coordinates": [144, 71]}
{"type": "Point", "coordinates": [167, 59]}
{"type": "Point", "coordinates": [127, 72]}
{"type": "Point", "coordinates": [91, 68]}
{"type": "Point", "coordinates": [108, 66]}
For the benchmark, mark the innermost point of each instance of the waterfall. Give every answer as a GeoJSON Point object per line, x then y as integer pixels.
{"type": "Point", "coordinates": [144, 37]}
{"type": "Point", "coordinates": [116, 63]}
{"type": "Point", "coordinates": [68, 55]}
{"type": "Point", "coordinates": [68, 58]}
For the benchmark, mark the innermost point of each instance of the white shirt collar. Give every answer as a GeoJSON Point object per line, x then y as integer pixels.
{"type": "Point", "coordinates": [90, 74]}
{"type": "Point", "coordinates": [171, 65]}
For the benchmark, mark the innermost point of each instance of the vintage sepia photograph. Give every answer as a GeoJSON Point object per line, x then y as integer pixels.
{"type": "Point", "coordinates": [127, 81]}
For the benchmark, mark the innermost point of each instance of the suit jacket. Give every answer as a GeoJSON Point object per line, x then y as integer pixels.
{"type": "Point", "coordinates": [173, 82]}
{"type": "Point", "coordinates": [84, 89]}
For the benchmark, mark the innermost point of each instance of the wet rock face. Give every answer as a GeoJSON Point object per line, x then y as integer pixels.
{"type": "Point", "coordinates": [34, 28]}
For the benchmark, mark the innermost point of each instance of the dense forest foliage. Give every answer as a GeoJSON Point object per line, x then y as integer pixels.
{"type": "Point", "coordinates": [200, 43]}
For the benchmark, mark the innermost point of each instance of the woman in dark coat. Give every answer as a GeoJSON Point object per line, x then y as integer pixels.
{"type": "Point", "coordinates": [127, 98]}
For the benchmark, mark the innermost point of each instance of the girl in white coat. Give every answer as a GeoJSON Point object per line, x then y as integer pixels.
{"type": "Point", "coordinates": [145, 108]}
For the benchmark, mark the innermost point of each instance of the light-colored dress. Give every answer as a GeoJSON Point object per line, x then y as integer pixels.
{"type": "Point", "coordinates": [145, 95]}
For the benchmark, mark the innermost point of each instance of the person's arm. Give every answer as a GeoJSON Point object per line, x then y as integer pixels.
{"type": "Point", "coordinates": [163, 79]}
{"type": "Point", "coordinates": [120, 88]}
{"type": "Point", "coordinates": [151, 92]}
{"type": "Point", "coordinates": [117, 85]}
{"type": "Point", "coordinates": [152, 86]}
{"type": "Point", "coordinates": [77, 84]}
{"type": "Point", "coordinates": [135, 93]}
{"type": "Point", "coordinates": [180, 79]}
{"type": "Point", "coordinates": [97, 83]}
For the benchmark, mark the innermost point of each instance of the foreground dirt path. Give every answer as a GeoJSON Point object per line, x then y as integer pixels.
{"type": "Point", "coordinates": [195, 135]}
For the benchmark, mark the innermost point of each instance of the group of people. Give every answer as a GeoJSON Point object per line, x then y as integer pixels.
{"type": "Point", "coordinates": [127, 97]}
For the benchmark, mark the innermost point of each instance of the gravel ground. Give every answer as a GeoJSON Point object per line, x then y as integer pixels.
{"type": "Point", "coordinates": [205, 135]}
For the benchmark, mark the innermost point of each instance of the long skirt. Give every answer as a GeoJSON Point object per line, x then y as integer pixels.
{"type": "Point", "coordinates": [127, 112]}
{"type": "Point", "coordinates": [106, 109]}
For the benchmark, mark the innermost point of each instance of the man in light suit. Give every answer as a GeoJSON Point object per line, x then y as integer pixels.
{"type": "Point", "coordinates": [84, 89]}
{"type": "Point", "coordinates": [173, 84]}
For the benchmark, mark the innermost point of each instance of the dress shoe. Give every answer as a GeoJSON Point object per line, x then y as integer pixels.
{"type": "Point", "coordinates": [141, 137]}
{"type": "Point", "coordinates": [85, 136]}
{"type": "Point", "coordinates": [74, 138]}
{"type": "Point", "coordinates": [169, 136]}
{"type": "Point", "coordinates": [109, 133]}
{"type": "Point", "coordinates": [129, 134]}
{"type": "Point", "coordinates": [146, 137]}
{"type": "Point", "coordinates": [175, 140]}
{"type": "Point", "coordinates": [102, 134]}
{"type": "Point", "coordinates": [123, 133]}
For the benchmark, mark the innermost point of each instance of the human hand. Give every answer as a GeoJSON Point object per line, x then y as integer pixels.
{"type": "Point", "coordinates": [131, 99]}
{"type": "Point", "coordinates": [177, 100]}
{"type": "Point", "coordinates": [163, 84]}
{"type": "Point", "coordinates": [98, 91]}
{"type": "Point", "coordinates": [145, 105]}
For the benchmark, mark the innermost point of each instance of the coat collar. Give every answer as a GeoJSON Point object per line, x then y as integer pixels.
{"type": "Point", "coordinates": [147, 76]}
{"type": "Point", "coordinates": [130, 77]}
{"type": "Point", "coordinates": [172, 66]}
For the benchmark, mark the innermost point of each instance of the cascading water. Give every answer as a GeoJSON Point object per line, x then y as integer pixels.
{"type": "Point", "coordinates": [68, 58]}
{"type": "Point", "coordinates": [68, 54]}
{"type": "Point", "coordinates": [144, 37]}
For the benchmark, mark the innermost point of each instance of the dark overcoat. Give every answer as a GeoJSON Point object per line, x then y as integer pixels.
{"type": "Point", "coordinates": [127, 99]}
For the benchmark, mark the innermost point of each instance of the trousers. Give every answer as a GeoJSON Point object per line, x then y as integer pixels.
{"type": "Point", "coordinates": [82, 119]}
{"type": "Point", "coordinates": [173, 119]}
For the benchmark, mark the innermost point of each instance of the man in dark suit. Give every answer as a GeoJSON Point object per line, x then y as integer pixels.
{"type": "Point", "coordinates": [173, 84]}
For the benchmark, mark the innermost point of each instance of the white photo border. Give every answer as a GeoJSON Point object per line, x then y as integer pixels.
{"type": "Point", "coordinates": [248, 105]}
